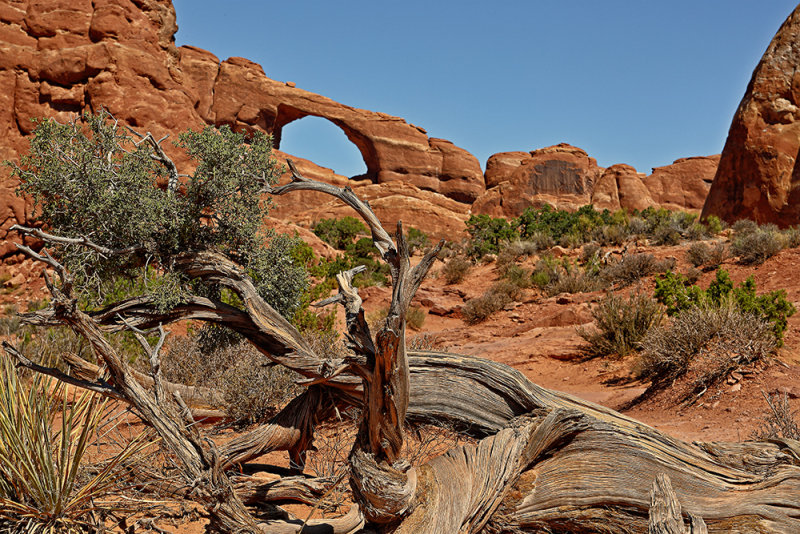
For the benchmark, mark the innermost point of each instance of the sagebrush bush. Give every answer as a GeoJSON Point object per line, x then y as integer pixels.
{"type": "Point", "coordinates": [711, 341]}
{"type": "Point", "coordinates": [255, 389]}
{"type": "Point", "coordinates": [632, 267]}
{"type": "Point", "coordinates": [779, 422]}
{"type": "Point", "coordinates": [252, 387]}
{"type": "Point", "coordinates": [564, 276]}
{"type": "Point", "coordinates": [497, 297]}
{"type": "Point", "coordinates": [703, 255]}
{"type": "Point", "coordinates": [756, 246]}
{"type": "Point", "coordinates": [516, 251]}
{"type": "Point", "coordinates": [791, 237]}
{"type": "Point", "coordinates": [591, 253]}
{"type": "Point", "coordinates": [620, 324]}
{"type": "Point", "coordinates": [455, 269]}
{"type": "Point", "coordinates": [744, 226]}
{"type": "Point", "coordinates": [519, 276]}
{"type": "Point", "coordinates": [666, 234]}
{"type": "Point", "coordinates": [415, 317]}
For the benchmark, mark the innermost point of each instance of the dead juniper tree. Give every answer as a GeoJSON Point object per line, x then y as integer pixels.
{"type": "Point", "coordinates": [544, 461]}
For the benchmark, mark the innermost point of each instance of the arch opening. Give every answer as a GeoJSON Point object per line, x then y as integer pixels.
{"type": "Point", "coordinates": [322, 142]}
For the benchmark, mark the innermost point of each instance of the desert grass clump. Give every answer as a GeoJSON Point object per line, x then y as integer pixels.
{"type": "Point", "coordinates": [632, 267]}
{"type": "Point", "coordinates": [45, 432]}
{"type": "Point", "coordinates": [620, 324]}
{"type": "Point", "coordinates": [708, 342]}
{"type": "Point", "coordinates": [755, 246]}
{"type": "Point", "coordinates": [254, 389]}
{"type": "Point", "coordinates": [455, 269]}
{"type": "Point", "coordinates": [779, 422]}
{"type": "Point", "coordinates": [415, 317]}
{"type": "Point", "coordinates": [250, 385]}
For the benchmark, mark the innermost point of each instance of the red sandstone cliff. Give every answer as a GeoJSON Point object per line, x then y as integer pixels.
{"type": "Point", "coordinates": [759, 172]}
{"type": "Point", "coordinates": [61, 57]}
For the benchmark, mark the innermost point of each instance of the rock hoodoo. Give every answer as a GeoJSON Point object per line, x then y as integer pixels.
{"type": "Point", "coordinates": [759, 171]}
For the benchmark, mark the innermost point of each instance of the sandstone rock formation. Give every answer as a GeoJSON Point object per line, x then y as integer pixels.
{"type": "Point", "coordinates": [759, 172]}
{"type": "Point", "coordinates": [566, 177]}
{"type": "Point", "coordinates": [684, 184]}
{"type": "Point", "coordinates": [61, 57]}
{"type": "Point", "coordinates": [561, 175]}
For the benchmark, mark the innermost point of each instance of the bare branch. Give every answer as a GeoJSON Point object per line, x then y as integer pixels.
{"type": "Point", "coordinates": [160, 156]}
{"type": "Point", "coordinates": [300, 183]}
{"type": "Point", "coordinates": [80, 241]}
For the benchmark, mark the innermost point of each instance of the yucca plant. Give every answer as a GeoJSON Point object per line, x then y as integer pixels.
{"type": "Point", "coordinates": [44, 435]}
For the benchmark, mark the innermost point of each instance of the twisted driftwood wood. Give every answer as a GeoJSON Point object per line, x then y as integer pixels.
{"type": "Point", "coordinates": [545, 462]}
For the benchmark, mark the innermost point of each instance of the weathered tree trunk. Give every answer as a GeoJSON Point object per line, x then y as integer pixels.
{"type": "Point", "coordinates": [545, 462]}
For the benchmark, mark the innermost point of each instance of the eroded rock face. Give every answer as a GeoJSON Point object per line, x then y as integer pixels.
{"type": "Point", "coordinates": [684, 184]}
{"type": "Point", "coordinates": [561, 175]}
{"type": "Point", "coordinates": [566, 177]}
{"type": "Point", "coordinates": [759, 174]}
{"type": "Point", "coordinates": [61, 57]}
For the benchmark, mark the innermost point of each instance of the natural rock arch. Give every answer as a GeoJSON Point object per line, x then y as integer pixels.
{"type": "Point", "coordinates": [288, 114]}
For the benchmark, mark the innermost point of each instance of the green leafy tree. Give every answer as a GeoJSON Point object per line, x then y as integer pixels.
{"type": "Point", "coordinates": [93, 179]}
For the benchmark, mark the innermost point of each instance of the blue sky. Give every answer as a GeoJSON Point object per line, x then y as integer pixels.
{"type": "Point", "coordinates": [637, 82]}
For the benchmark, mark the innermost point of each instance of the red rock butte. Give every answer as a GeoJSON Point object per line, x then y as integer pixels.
{"type": "Point", "coordinates": [62, 57]}
{"type": "Point", "coordinates": [759, 171]}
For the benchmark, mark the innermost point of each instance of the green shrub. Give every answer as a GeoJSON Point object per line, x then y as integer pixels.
{"type": "Point", "coordinates": [620, 324]}
{"type": "Point", "coordinates": [673, 292]}
{"type": "Point", "coordinates": [714, 224]}
{"type": "Point", "coordinates": [91, 170]}
{"type": "Point", "coordinates": [455, 269]}
{"type": "Point", "coordinates": [488, 234]}
{"type": "Point", "coordinates": [570, 228]}
{"type": "Point", "coordinates": [339, 233]}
